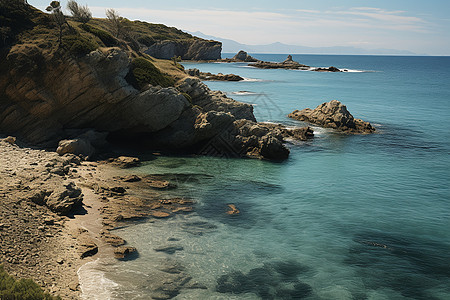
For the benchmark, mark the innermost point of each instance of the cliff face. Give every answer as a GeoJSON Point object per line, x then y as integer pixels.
{"type": "Point", "coordinates": [186, 49]}
{"type": "Point", "coordinates": [90, 92]}
{"type": "Point", "coordinates": [61, 96]}
{"type": "Point", "coordinates": [80, 90]}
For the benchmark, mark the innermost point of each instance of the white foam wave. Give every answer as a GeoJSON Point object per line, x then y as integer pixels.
{"type": "Point", "coordinates": [319, 131]}
{"type": "Point", "coordinates": [252, 79]}
{"type": "Point", "coordinates": [93, 283]}
{"type": "Point", "coordinates": [353, 71]}
{"type": "Point", "coordinates": [244, 93]}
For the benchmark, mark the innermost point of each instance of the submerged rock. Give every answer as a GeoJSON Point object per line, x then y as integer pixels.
{"type": "Point", "coordinates": [335, 115]}
{"type": "Point", "coordinates": [268, 282]}
{"type": "Point", "coordinates": [123, 252]}
{"type": "Point", "coordinates": [232, 210]}
{"type": "Point", "coordinates": [171, 249]}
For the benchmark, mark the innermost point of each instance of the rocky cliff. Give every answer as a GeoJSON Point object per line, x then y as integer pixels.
{"type": "Point", "coordinates": [82, 91]}
{"type": "Point", "coordinates": [186, 49]}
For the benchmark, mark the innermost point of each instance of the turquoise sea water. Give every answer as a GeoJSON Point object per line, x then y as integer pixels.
{"type": "Point", "coordinates": [345, 217]}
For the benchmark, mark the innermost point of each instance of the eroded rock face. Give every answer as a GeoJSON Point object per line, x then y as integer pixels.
{"type": "Point", "coordinates": [209, 100]}
{"type": "Point", "coordinates": [81, 101]}
{"type": "Point", "coordinates": [335, 115]}
{"type": "Point", "coordinates": [89, 92]}
{"type": "Point", "coordinates": [187, 50]}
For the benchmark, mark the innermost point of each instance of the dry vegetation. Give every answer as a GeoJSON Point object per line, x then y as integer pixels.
{"type": "Point", "coordinates": [24, 27]}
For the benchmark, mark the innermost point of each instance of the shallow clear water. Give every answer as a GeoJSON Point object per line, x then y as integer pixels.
{"type": "Point", "coordinates": [345, 217]}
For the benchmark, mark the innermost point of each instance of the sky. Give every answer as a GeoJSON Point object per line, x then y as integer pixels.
{"type": "Point", "coordinates": [419, 26]}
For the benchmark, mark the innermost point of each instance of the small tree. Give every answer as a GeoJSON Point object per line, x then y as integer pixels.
{"type": "Point", "coordinates": [80, 13]}
{"type": "Point", "coordinates": [115, 20]}
{"type": "Point", "coordinates": [176, 60]}
{"type": "Point", "coordinates": [58, 16]}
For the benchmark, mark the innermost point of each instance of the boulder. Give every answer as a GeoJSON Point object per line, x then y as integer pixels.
{"type": "Point", "coordinates": [272, 148]}
{"type": "Point", "coordinates": [301, 134]}
{"type": "Point", "coordinates": [64, 199]}
{"type": "Point", "coordinates": [258, 141]}
{"type": "Point", "coordinates": [126, 162]}
{"type": "Point", "coordinates": [10, 140]}
{"type": "Point", "coordinates": [123, 252]}
{"type": "Point", "coordinates": [244, 57]}
{"type": "Point", "coordinates": [76, 146]}
{"type": "Point", "coordinates": [193, 72]}
{"type": "Point", "coordinates": [335, 115]}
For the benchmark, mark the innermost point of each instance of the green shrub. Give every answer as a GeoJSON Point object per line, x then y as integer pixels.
{"type": "Point", "coordinates": [27, 289]}
{"type": "Point", "coordinates": [146, 40]}
{"type": "Point", "coordinates": [104, 36]}
{"type": "Point", "coordinates": [143, 72]}
{"type": "Point", "coordinates": [78, 44]}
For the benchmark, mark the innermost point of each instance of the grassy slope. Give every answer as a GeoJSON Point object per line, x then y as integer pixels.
{"type": "Point", "coordinates": [35, 29]}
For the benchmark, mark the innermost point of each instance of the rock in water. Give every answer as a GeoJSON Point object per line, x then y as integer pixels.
{"type": "Point", "coordinates": [330, 69]}
{"type": "Point", "coordinates": [288, 60]}
{"type": "Point", "coordinates": [335, 115]}
{"type": "Point", "coordinates": [288, 64]}
{"type": "Point", "coordinates": [243, 56]}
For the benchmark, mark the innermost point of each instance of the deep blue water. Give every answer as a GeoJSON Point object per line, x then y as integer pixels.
{"type": "Point", "coordinates": [345, 217]}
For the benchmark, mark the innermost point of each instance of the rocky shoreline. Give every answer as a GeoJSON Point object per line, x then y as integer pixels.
{"type": "Point", "coordinates": [49, 247]}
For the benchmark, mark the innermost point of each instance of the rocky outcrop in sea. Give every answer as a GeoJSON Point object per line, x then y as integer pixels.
{"type": "Point", "coordinates": [288, 64]}
{"type": "Point", "coordinates": [214, 77]}
{"type": "Point", "coordinates": [241, 56]}
{"type": "Point", "coordinates": [335, 115]}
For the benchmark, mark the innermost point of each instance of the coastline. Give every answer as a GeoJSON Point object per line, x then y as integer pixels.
{"type": "Point", "coordinates": [61, 245]}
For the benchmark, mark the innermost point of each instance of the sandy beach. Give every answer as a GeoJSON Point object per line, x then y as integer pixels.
{"type": "Point", "coordinates": [48, 247]}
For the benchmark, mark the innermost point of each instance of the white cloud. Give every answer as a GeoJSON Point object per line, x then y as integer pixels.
{"type": "Point", "coordinates": [373, 26]}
